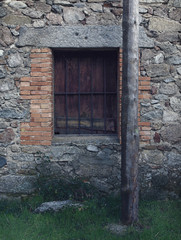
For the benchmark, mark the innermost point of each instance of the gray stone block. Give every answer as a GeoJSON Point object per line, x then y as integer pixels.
{"type": "Point", "coordinates": [65, 152]}
{"type": "Point", "coordinates": [73, 16]}
{"type": "Point", "coordinates": [152, 157]}
{"type": "Point", "coordinates": [174, 159]}
{"type": "Point", "coordinates": [170, 116]}
{"type": "Point", "coordinates": [168, 88]}
{"type": "Point", "coordinates": [177, 3]}
{"type": "Point", "coordinates": [163, 25]}
{"type": "Point", "coordinates": [155, 70]}
{"type": "Point", "coordinates": [7, 136]}
{"type": "Point", "coordinates": [2, 72]}
{"type": "Point", "coordinates": [3, 12]}
{"type": "Point", "coordinates": [152, 115]}
{"type": "Point", "coordinates": [172, 133]}
{"type": "Point", "coordinates": [32, 13]}
{"type": "Point", "coordinates": [17, 184]}
{"type": "Point", "coordinates": [16, 20]}
{"type": "Point", "coordinates": [5, 36]}
{"type": "Point", "coordinates": [175, 104]}
{"type": "Point", "coordinates": [12, 113]}
{"type": "Point", "coordinates": [153, 1]}
{"type": "Point", "coordinates": [22, 157]}
{"type": "Point", "coordinates": [77, 37]}
{"type": "Point", "coordinates": [14, 60]}
{"type": "Point", "coordinates": [92, 148]}
{"type": "Point", "coordinates": [57, 9]}
{"type": "Point", "coordinates": [17, 4]}
{"type": "Point", "coordinates": [175, 60]}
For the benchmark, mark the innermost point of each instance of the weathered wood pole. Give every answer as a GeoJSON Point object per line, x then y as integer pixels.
{"type": "Point", "coordinates": [129, 113]}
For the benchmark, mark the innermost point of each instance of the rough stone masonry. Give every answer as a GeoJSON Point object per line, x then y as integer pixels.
{"type": "Point", "coordinates": [37, 27]}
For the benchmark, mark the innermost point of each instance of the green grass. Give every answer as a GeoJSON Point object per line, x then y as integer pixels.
{"type": "Point", "coordinates": [158, 220]}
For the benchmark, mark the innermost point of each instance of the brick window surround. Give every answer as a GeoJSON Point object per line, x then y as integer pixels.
{"type": "Point", "coordinates": [38, 90]}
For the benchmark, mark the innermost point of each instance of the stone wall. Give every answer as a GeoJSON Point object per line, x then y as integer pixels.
{"type": "Point", "coordinates": [26, 25]}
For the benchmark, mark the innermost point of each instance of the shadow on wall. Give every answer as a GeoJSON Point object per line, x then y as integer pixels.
{"type": "Point", "coordinates": [3, 162]}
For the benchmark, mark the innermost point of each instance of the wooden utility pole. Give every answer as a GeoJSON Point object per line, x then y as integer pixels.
{"type": "Point", "coordinates": [129, 113]}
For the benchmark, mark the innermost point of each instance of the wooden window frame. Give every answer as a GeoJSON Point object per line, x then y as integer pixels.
{"type": "Point", "coordinates": [105, 94]}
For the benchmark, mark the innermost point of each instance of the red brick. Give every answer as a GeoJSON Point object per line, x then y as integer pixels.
{"type": "Point", "coordinates": [144, 87]}
{"type": "Point", "coordinates": [25, 92]}
{"type": "Point", "coordinates": [41, 79]}
{"type": "Point", "coordinates": [46, 97]}
{"type": "Point", "coordinates": [46, 105]}
{"type": "Point", "coordinates": [41, 70]}
{"type": "Point", "coordinates": [47, 110]}
{"type": "Point", "coordinates": [24, 84]}
{"type": "Point", "coordinates": [29, 97]}
{"type": "Point", "coordinates": [146, 128]}
{"type": "Point", "coordinates": [46, 124]}
{"type": "Point", "coordinates": [41, 83]}
{"type": "Point", "coordinates": [144, 124]}
{"type": "Point", "coordinates": [26, 124]}
{"type": "Point", "coordinates": [30, 88]}
{"type": "Point", "coordinates": [29, 133]}
{"type": "Point", "coordinates": [34, 110]}
{"type": "Point", "coordinates": [40, 55]}
{"type": "Point", "coordinates": [41, 65]}
{"type": "Point", "coordinates": [145, 137]}
{"type": "Point", "coordinates": [41, 129]}
{"type": "Point", "coordinates": [40, 74]}
{"type": "Point", "coordinates": [35, 124]}
{"type": "Point", "coordinates": [144, 83]}
{"type": "Point", "coordinates": [36, 115]}
{"type": "Point", "coordinates": [40, 101]}
{"type": "Point", "coordinates": [46, 50]}
{"type": "Point", "coordinates": [37, 133]}
{"type": "Point", "coordinates": [46, 88]}
{"type": "Point", "coordinates": [26, 79]}
{"type": "Point", "coordinates": [41, 60]}
{"type": "Point", "coordinates": [145, 133]}
{"type": "Point", "coordinates": [41, 119]}
{"type": "Point", "coordinates": [41, 137]}
{"type": "Point", "coordinates": [141, 78]}
{"type": "Point", "coordinates": [35, 106]}
{"type": "Point", "coordinates": [25, 137]}
{"type": "Point", "coordinates": [144, 96]}
{"type": "Point", "coordinates": [40, 92]}
{"type": "Point", "coordinates": [45, 115]}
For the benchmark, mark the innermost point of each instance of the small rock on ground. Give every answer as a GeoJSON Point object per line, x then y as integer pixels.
{"type": "Point", "coordinates": [55, 206]}
{"type": "Point", "coordinates": [117, 228]}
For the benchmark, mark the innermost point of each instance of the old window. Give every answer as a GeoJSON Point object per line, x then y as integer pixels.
{"type": "Point", "coordinates": [85, 92]}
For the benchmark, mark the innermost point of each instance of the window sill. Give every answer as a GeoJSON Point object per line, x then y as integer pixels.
{"type": "Point", "coordinates": [85, 139]}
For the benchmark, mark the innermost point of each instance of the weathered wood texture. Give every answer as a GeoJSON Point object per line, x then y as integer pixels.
{"type": "Point", "coordinates": [129, 121]}
{"type": "Point", "coordinates": [85, 92]}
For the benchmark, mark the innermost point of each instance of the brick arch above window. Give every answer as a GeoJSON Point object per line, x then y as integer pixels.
{"type": "Point", "coordinates": [38, 89]}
